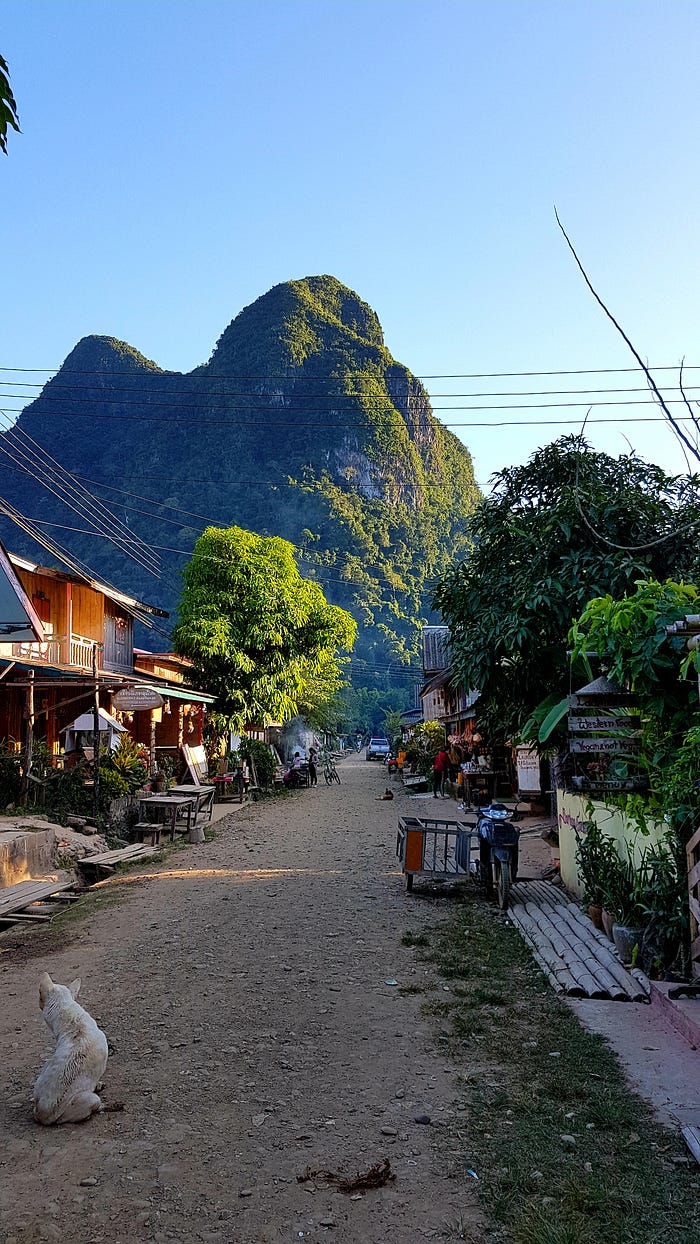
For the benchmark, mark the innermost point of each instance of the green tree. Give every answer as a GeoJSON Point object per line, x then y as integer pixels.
{"type": "Point", "coordinates": [568, 525]}
{"type": "Point", "coordinates": [8, 108]}
{"type": "Point", "coordinates": [258, 633]}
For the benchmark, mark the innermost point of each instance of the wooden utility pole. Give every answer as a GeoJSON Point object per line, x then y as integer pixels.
{"type": "Point", "coordinates": [29, 740]}
{"type": "Point", "coordinates": [96, 734]}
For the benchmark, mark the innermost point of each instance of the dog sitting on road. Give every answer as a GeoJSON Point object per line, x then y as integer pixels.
{"type": "Point", "coordinates": [388, 794]}
{"type": "Point", "coordinates": [65, 1087]}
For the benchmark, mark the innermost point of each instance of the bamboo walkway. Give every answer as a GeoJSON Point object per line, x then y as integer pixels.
{"type": "Point", "coordinates": [576, 957]}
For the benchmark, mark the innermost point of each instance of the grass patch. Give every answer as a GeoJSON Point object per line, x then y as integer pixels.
{"type": "Point", "coordinates": [535, 1074]}
{"type": "Point", "coordinates": [414, 939]}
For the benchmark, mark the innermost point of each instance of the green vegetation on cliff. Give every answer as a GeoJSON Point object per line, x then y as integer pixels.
{"type": "Point", "coordinates": [301, 425]}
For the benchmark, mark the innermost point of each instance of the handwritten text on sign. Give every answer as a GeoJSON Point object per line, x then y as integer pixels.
{"type": "Point", "coordinates": [591, 725]}
{"type": "Point", "coordinates": [604, 745]}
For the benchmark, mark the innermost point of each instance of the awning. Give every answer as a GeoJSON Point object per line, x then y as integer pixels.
{"type": "Point", "coordinates": [188, 694]}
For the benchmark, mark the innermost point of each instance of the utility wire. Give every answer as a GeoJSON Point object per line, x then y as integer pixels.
{"type": "Point", "coordinates": [267, 406]}
{"type": "Point", "coordinates": [343, 394]}
{"type": "Point", "coordinates": [70, 494]}
{"type": "Point", "coordinates": [291, 374]}
{"type": "Point", "coordinates": [423, 425]}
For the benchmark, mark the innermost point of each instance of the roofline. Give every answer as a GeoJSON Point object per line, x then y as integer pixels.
{"type": "Point", "coordinates": [120, 598]}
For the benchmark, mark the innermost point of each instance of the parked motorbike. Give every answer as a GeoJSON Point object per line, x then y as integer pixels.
{"type": "Point", "coordinates": [498, 850]}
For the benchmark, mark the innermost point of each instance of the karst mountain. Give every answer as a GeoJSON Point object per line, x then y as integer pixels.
{"type": "Point", "coordinates": [301, 424]}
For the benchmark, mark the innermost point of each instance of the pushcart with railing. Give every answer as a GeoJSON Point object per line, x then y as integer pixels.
{"type": "Point", "coordinates": [436, 849]}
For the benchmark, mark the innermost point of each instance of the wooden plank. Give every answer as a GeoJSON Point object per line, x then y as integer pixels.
{"type": "Point", "coordinates": [15, 897]}
{"type": "Point", "coordinates": [25, 915]}
{"type": "Point", "coordinates": [691, 1136]}
{"type": "Point", "coordinates": [693, 842]}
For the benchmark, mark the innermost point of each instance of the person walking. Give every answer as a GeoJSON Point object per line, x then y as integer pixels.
{"type": "Point", "coordinates": [440, 767]}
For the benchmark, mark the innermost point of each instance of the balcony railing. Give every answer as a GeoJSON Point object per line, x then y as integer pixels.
{"type": "Point", "coordinates": [58, 650]}
{"type": "Point", "coordinates": [81, 652]}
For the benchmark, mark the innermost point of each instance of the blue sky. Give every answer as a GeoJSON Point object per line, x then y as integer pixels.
{"type": "Point", "coordinates": [177, 159]}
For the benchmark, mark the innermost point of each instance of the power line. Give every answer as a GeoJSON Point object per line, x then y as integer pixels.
{"type": "Point", "coordinates": [295, 423]}
{"type": "Point", "coordinates": [320, 570]}
{"type": "Point", "coordinates": [343, 395]}
{"type": "Point", "coordinates": [73, 494]}
{"type": "Point", "coordinates": [267, 406]}
{"type": "Point", "coordinates": [291, 374]}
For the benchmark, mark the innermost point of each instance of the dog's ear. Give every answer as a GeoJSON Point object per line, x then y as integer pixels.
{"type": "Point", "coordinates": [75, 986]}
{"type": "Point", "coordinates": [45, 987]}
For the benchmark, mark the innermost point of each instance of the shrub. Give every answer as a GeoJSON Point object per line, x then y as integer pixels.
{"type": "Point", "coordinates": [260, 754]}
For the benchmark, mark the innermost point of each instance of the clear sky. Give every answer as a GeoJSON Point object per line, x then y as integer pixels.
{"type": "Point", "coordinates": [179, 157]}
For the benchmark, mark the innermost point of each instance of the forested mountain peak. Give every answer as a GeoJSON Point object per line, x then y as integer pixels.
{"type": "Point", "coordinates": [296, 321]}
{"type": "Point", "coordinates": [301, 425]}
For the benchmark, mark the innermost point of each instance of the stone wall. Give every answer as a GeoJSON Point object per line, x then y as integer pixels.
{"type": "Point", "coordinates": [25, 853]}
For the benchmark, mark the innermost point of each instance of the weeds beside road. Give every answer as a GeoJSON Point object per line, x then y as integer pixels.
{"type": "Point", "coordinates": [564, 1151]}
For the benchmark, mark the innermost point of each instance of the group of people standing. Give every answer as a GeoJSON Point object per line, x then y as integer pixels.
{"type": "Point", "coordinates": [446, 766]}
{"type": "Point", "coordinates": [301, 767]}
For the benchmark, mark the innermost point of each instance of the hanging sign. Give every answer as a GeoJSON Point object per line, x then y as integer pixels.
{"type": "Point", "coordinates": [136, 700]}
{"type": "Point", "coordinates": [594, 725]}
{"type": "Point", "coordinates": [604, 746]}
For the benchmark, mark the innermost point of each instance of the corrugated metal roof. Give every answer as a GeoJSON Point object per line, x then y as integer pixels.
{"type": "Point", "coordinates": [436, 656]}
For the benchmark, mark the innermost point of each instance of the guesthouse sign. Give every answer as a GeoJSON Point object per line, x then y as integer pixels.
{"type": "Point", "coordinates": [605, 740]}
{"type": "Point", "coordinates": [136, 700]}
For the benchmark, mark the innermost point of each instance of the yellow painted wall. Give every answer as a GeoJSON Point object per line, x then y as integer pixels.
{"type": "Point", "coordinates": [571, 811]}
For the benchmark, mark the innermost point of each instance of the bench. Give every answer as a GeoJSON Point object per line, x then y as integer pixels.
{"type": "Point", "coordinates": [147, 832]}
{"type": "Point", "coordinates": [106, 861]}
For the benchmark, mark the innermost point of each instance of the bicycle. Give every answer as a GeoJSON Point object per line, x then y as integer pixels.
{"type": "Point", "coordinates": [330, 773]}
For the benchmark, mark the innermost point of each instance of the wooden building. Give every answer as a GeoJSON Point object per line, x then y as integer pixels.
{"type": "Point", "coordinates": [88, 646]}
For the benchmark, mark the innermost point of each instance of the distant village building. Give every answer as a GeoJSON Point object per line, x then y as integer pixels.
{"type": "Point", "coordinates": [442, 698]}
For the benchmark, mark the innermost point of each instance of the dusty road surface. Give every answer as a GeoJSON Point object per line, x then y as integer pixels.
{"type": "Point", "coordinates": [243, 988]}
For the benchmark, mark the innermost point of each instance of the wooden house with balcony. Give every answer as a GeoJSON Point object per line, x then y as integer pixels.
{"type": "Point", "coordinates": [87, 640]}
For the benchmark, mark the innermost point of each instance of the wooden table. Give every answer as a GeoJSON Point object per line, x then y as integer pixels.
{"type": "Point", "coordinates": [172, 804]}
{"type": "Point", "coordinates": [203, 794]}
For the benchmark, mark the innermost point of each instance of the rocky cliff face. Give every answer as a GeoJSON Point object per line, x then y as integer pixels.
{"type": "Point", "coordinates": [301, 425]}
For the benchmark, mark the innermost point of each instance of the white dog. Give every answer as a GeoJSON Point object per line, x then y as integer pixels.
{"type": "Point", "coordinates": [65, 1088]}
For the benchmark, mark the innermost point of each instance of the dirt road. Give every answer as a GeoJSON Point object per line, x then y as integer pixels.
{"type": "Point", "coordinates": [243, 987]}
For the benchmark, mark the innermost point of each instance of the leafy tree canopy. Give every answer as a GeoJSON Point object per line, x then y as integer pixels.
{"type": "Point", "coordinates": [262, 638]}
{"type": "Point", "coordinates": [8, 107]}
{"type": "Point", "coordinates": [567, 526]}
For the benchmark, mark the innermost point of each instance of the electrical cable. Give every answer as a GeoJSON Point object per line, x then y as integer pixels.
{"type": "Point", "coordinates": [149, 562]}
{"type": "Point", "coordinates": [297, 408]}
{"type": "Point", "coordinates": [426, 425]}
{"type": "Point", "coordinates": [344, 394]}
{"type": "Point", "coordinates": [473, 375]}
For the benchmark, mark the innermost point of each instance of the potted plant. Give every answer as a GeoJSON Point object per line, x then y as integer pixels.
{"type": "Point", "coordinates": [626, 901]}
{"type": "Point", "coordinates": [598, 864]}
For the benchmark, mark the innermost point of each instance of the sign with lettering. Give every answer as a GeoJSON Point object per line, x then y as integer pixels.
{"type": "Point", "coordinates": [622, 784]}
{"type": "Point", "coordinates": [136, 700]}
{"type": "Point", "coordinates": [594, 725]}
{"type": "Point", "coordinates": [528, 770]}
{"type": "Point", "coordinates": [600, 746]}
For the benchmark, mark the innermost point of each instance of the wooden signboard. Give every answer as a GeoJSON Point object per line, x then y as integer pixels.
{"type": "Point", "coordinates": [606, 747]}
{"type": "Point", "coordinates": [196, 761]}
{"type": "Point", "coordinates": [136, 700]}
{"type": "Point", "coordinates": [625, 785]}
{"type": "Point", "coordinates": [595, 725]}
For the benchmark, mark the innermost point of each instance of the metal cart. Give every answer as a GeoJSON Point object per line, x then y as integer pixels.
{"type": "Point", "coordinates": [436, 848]}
